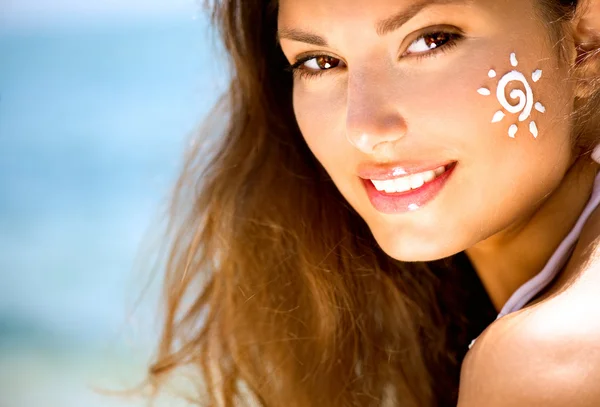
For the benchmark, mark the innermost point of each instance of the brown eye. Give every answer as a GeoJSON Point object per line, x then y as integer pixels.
{"type": "Point", "coordinates": [436, 39]}
{"type": "Point", "coordinates": [322, 62]}
{"type": "Point", "coordinates": [428, 42]}
{"type": "Point", "coordinates": [315, 65]}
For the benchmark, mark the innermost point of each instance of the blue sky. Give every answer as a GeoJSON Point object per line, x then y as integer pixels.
{"type": "Point", "coordinates": [97, 101]}
{"type": "Point", "coordinates": [21, 13]}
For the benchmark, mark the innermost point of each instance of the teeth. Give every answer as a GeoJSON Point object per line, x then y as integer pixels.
{"type": "Point", "coordinates": [401, 184]}
{"type": "Point", "coordinates": [429, 176]}
{"type": "Point", "coordinates": [416, 181]}
{"type": "Point", "coordinates": [407, 183]}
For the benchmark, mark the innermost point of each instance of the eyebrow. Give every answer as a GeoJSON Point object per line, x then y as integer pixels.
{"type": "Point", "coordinates": [382, 27]}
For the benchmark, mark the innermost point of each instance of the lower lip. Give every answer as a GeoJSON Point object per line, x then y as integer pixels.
{"type": "Point", "coordinates": [408, 201]}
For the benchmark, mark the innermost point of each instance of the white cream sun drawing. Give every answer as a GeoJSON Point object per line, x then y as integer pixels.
{"type": "Point", "coordinates": [524, 98]}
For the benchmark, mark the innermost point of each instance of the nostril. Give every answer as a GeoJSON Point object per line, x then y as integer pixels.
{"type": "Point", "coordinates": [369, 141]}
{"type": "Point", "coordinates": [368, 128]}
{"type": "Point", "coordinates": [393, 122]}
{"type": "Point", "coordinates": [373, 144]}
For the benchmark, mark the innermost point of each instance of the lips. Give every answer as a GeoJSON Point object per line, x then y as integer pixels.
{"type": "Point", "coordinates": [389, 171]}
{"type": "Point", "coordinates": [408, 182]}
{"type": "Point", "coordinates": [410, 200]}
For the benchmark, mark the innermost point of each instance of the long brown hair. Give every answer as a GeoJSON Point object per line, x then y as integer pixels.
{"type": "Point", "coordinates": [275, 288]}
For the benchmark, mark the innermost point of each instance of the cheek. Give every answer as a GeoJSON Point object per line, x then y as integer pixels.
{"type": "Point", "coordinates": [501, 177]}
{"type": "Point", "coordinates": [462, 110]}
{"type": "Point", "coordinates": [320, 117]}
{"type": "Point", "coordinates": [526, 115]}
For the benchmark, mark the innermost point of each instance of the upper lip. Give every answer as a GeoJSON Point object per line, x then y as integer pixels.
{"type": "Point", "coordinates": [385, 171]}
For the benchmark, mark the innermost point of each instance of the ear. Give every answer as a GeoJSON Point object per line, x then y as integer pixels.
{"type": "Point", "coordinates": [586, 34]}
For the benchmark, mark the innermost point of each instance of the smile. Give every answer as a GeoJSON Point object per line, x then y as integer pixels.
{"type": "Point", "coordinates": [407, 183]}
{"type": "Point", "coordinates": [409, 192]}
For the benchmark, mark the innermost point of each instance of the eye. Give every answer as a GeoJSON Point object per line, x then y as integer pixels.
{"type": "Point", "coordinates": [427, 43]}
{"type": "Point", "coordinates": [312, 66]}
{"type": "Point", "coordinates": [321, 62]}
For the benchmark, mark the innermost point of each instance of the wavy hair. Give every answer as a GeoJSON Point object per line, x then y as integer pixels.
{"type": "Point", "coordinates": [275, 289]}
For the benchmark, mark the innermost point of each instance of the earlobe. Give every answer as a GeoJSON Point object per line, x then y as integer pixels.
{"type": "Point", "coordinates": [586, 35]}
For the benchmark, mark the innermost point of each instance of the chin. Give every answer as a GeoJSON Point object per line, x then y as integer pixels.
{"type": "Point", "coordinates": [415, 249]}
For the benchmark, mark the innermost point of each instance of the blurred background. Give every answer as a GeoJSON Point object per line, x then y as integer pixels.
{"type": "Point", "coordinates": [97, 103]}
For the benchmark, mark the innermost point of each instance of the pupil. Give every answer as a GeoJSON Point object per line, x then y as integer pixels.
{"type": "Point", "coordinates": [325, 62]}
{"type": "Point", "coordinates": [433, 40]}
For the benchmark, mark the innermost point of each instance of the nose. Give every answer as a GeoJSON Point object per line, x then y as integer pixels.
{"type": "Point", "coordinates": [374, 121]}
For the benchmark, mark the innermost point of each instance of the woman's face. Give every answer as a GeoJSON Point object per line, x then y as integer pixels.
{"type": "Point", "coordinates": [392, 101]}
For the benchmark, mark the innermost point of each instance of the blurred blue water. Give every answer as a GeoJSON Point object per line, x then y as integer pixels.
{"type": "Point", "coordinates": [93, 122]}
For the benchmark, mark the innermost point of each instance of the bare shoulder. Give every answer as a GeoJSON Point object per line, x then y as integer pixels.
{"type": "Point", "coordinates": [547, 354]}
{"type": "Point", "coordinates": [534, 359]}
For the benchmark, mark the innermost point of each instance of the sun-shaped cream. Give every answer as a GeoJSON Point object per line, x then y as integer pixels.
{"type": "Point", "coordinates": [525, 102]}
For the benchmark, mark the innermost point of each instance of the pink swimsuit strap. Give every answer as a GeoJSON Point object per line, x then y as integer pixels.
{"type": "Point", "coordinates": [531, 288]}
{"type": "Point", "coordinates": [540, 281]}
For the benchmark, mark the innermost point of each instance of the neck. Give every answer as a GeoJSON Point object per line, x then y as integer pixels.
{"type": "Point", "coordinates": [510, 258]}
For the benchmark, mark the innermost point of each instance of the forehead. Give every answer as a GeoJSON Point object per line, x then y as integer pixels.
{"type": "Point", "coordinates": [337, 11]}
{"type": "Point", "coordinates": [356, 23]}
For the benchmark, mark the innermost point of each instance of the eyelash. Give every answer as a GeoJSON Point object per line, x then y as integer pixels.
{"type": "Point", "coordinates": [299, 72]}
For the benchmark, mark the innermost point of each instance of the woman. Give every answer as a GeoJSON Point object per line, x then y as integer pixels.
{"type": "Point", "coordinates": [394, 174]}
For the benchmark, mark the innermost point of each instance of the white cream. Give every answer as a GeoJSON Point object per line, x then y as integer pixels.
{"type": "Point", "coordinates": [533, 129]}
{"type": "Point", "coordinates": [523, 97]}
{"type": "Point", "coordinates": [525, 103]}
{"type": "Point", "coordinates": [540, 108]}
{"type": "Point", "coordinates": [498, 116]}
